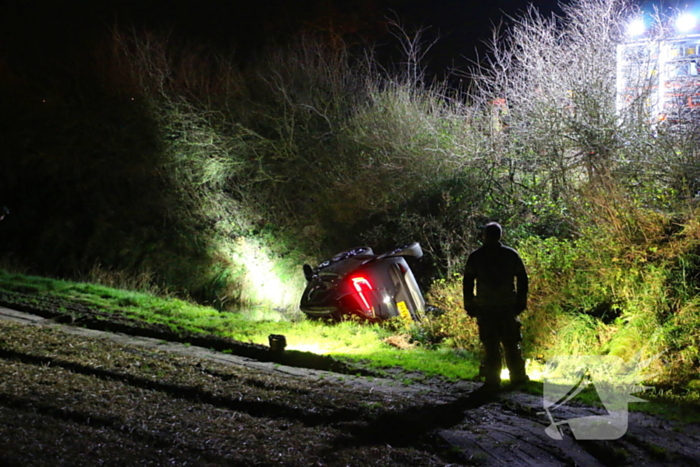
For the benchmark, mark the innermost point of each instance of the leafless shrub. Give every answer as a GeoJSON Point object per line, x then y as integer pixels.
{"type": "Point", "coordinates": [550, 85]}
{"type": "Point", "coordinates": [555, 79]}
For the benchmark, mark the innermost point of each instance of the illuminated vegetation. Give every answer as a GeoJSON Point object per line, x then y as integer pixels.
{"type": "Point", "coordinates": [347, 340]}
{"type": "Point", "coordinates": [194, 177]}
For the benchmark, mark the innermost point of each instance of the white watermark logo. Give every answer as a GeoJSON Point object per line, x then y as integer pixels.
{"type": "Point", "coordinates": [613, 379]}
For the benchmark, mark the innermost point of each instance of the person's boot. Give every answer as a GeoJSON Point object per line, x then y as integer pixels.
{"type": "Point", "coordinates": [519, 381]}
{"type": "Point", "coordinates": [516, 365]}
{"type": "Point", "coordinates": [490, 388]}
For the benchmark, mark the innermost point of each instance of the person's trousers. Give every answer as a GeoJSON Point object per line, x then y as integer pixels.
{"type": "Point", "coordinates": [501, 327]}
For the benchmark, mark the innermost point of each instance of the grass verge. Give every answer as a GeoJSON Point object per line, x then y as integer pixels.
{"type": "Point", "coordinates": [350, 341]}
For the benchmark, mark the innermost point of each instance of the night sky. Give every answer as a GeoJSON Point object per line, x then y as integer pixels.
{"type": "Point", "coordinates": [49, 31]}
{"type": "Point", "coordinates": [41, 32]}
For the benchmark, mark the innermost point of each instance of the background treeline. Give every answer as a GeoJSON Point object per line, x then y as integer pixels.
{"type": "Point", "coordinates": [172, 166]}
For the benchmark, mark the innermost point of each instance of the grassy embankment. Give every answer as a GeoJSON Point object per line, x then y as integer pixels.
{"type": "Point", "coordinates": [347, 340]}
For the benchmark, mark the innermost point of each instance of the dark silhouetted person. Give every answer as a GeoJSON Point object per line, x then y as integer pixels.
{"type": "Point", "coordinates": [501, 295]}
{"type": "Point", "coordinates": [3, 212]}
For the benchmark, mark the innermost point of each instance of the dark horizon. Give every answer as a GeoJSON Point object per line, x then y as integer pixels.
{"type": "Point", "coordinates": [60, 31]}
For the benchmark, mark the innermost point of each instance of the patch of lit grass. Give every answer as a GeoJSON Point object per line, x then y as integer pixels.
{"type": "Point", "coordinates": [360, 343]}
{"type": "Point", "coordinates": [346, 340]}
{"type": "Point", "coordinates": [682, 405]}
{"type": "Point", "coordinates": [349, 340]}
{"type": "Point", "coordinates": [448, 363]}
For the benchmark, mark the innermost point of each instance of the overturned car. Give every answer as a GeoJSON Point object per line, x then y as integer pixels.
{"type": "Point", "coordinates": [358, 283]}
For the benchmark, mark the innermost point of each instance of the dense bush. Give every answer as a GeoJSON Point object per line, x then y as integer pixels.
{"type": "Point", "coordinates": [612, 291]}
{"type": "Point", "coordinates": [218, 180]}
{"type": "Point", "coordinates": [620, 288]}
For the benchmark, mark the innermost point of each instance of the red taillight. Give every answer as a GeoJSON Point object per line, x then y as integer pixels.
{"type": "Point", "coordinates": [362, 287]}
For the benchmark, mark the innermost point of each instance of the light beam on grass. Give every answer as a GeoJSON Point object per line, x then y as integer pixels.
{"type": "Point", "coordinates": [313, 348]}
{"type": "Point", "coordinates": [533, 370]}
{"type": "Point", "coordinates": [263, 277]}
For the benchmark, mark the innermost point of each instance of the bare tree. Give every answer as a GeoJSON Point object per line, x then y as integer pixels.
{"type": "Point", "coordinates": [556, 78]}
{"type": "Point", "coordinates": [553, 85]}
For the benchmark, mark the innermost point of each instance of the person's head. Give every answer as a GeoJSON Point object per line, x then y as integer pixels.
{"type": "Point", "coordinates": [492, 232]}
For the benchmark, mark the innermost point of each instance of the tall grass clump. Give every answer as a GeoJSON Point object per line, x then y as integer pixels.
{"type": "Point", "coordinates": [621, 288]}
{"type": "Point", "coordinates": [452, 328]}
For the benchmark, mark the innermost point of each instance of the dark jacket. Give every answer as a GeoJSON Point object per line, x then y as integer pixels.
{"type": "Point", "coordinates": [500, 276]}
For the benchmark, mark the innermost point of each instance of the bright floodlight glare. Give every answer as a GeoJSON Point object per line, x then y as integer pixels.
{"type": "Point", "coordinates": [636, 27]}
{"type": "Point", "coordinates": [686, 22]}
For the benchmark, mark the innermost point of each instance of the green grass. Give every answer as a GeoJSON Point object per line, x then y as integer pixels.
{"type": "Point", "coordinates": [346, 340]}
{"type": "Point", "coordinates": [682, 406]}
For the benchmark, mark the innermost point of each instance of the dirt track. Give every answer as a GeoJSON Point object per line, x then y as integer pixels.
{"type": "Point", "coordinates": [75, 396]}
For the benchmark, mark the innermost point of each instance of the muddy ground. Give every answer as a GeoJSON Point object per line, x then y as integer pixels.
{"type": "Point", "coordinates": [74, 392]}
